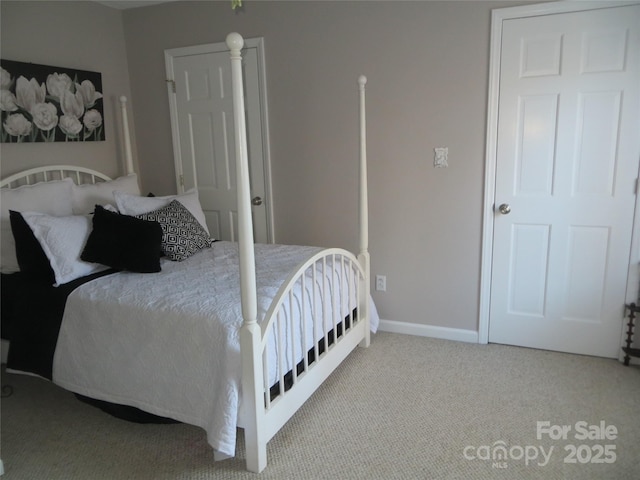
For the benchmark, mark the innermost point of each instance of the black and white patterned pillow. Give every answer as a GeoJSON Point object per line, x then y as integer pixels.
{"type": "Point", "coordinates": [182, 235]}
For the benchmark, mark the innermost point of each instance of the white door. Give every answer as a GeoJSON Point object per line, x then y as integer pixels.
{"type": "Point", "coordinates": [203, 133]}
{"type": "Point", "coordinates": [566, 169]}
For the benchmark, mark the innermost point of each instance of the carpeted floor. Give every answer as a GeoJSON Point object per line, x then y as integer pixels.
{"type": "Point", "coordinates": [406, 408]}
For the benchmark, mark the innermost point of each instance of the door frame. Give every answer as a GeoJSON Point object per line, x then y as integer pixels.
{"type": "Point", "coordinates": [258, 44]}
{"type": "Point", "coordinates": [498, 16]}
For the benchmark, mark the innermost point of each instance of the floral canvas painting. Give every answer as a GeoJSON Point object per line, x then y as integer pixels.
{"type": "Point", "coordinates": [40, 103]}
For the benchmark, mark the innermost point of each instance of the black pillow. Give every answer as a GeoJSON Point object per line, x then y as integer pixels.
{"type": "Point", "coordinates": [32, 260]}
{"type": "Point", "coordinates": [123, 242]}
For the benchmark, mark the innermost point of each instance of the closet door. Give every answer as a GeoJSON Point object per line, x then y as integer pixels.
{"type": "Point", "coordinates": [565, 185]}
{"type": "Point", "coordinates": [200, 96]}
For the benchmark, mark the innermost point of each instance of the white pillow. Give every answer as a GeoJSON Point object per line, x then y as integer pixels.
{"type": "Point", "coordinates": [53, 198]}
{"type": "Point", "coordinates": [62, 239]}
{"type": "Point", "coordinates": [86, 197]}
{"type": "Point", "coordinates": [136, 205]}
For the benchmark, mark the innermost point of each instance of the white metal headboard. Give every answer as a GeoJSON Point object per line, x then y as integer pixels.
{"type": "Point", "coordinates": [80, 175]}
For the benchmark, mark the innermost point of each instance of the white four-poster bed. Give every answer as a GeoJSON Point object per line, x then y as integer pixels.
{"type": "Point", "coordinates": [319, 312]}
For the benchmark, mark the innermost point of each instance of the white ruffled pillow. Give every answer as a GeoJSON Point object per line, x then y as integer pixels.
{"type": "Point", "coordinates": [62, 239]}
{"type": "Point", "coordinates": [86, 197]}
{"type": "Point", "coordinates": [136, 205]}
{"type": "Point", "coordinates": [53, 198]}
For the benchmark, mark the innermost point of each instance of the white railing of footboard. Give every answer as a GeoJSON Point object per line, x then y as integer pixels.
{"type": "Point", "coordinates": [333, 298]}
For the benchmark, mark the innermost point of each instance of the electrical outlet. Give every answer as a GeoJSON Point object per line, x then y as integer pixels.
{"type": "Point", "coordinates": [381, 283]}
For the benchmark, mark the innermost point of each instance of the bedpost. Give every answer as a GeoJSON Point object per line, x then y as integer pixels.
{"type": "Point", "coordinates": [127, 136]}
{"type": "Point", "coordinates": [250, 333]}
{"type": "Point", "coordinates": [363, 256]}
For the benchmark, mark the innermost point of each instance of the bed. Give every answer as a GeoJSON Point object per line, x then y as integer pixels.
{"type": "Point", "coordinates": [143, 309]}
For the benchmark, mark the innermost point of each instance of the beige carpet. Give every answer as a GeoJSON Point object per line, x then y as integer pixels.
{"type": "Point", "coordinates": [406, 408]}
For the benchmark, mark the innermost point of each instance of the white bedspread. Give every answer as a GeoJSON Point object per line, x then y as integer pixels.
{"type": "Point", "coordinates": [168, 343]}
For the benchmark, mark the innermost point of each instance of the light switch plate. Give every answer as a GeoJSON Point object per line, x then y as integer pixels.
{"type": "Point", "coordinates": [441, 158]}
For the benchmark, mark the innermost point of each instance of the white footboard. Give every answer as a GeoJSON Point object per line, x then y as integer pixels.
{"type": "Point", "coordinates": [318, 317]}
{"type": "Point", "coordinates": [312, 312]}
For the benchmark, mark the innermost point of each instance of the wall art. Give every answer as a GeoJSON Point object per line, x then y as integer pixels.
{"type": "Point", "coordinates": [40, 103]}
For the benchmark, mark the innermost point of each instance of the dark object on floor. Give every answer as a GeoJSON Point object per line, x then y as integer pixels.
{"type": "Point", "coordinates": [125, 412]}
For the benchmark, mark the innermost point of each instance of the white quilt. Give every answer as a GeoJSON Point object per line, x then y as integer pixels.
{"type": "Point", "coordinates": [168, 343]}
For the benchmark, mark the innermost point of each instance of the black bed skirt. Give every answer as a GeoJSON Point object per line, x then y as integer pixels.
{"type": "Point", "coordinates": [125, 412]}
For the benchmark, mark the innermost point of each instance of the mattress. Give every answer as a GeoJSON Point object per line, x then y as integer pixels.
{"type": "Point", "coordinates": [168, 343]}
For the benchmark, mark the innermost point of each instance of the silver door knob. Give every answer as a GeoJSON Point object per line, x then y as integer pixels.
{"type": "Point", "coordinates": [256, 201]}
{"type": "Point", "coordinates": [505, 208]}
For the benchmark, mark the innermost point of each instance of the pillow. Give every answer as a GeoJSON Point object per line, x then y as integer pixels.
{"type": "Point", "coordinates": [62, 240]}
{"type": "Point", "coordinates": [182, 233]}
{"type": "Point", "coordinates": [31, 258]}
{"type": "Point", "coordinates": [123, 242]}
{"type": "Point", "coordinates": [137, 205]}
{"type": "Point", "coordinates": [86, 196]}
{"type": "Point", "coordinates": [53, 198]}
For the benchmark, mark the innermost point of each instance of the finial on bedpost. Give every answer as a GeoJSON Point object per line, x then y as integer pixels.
{"type": "Point", "coordinates": [127, 135]}
{"type": "Point", "coordinates": [235, 42]}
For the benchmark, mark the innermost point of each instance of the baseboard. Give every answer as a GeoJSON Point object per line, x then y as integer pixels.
{"type": "Point", "coordinates": [445, 333]}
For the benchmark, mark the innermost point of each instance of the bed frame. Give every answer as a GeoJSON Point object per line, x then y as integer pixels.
{"type": "Point", "coordinates": [261, 415]}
